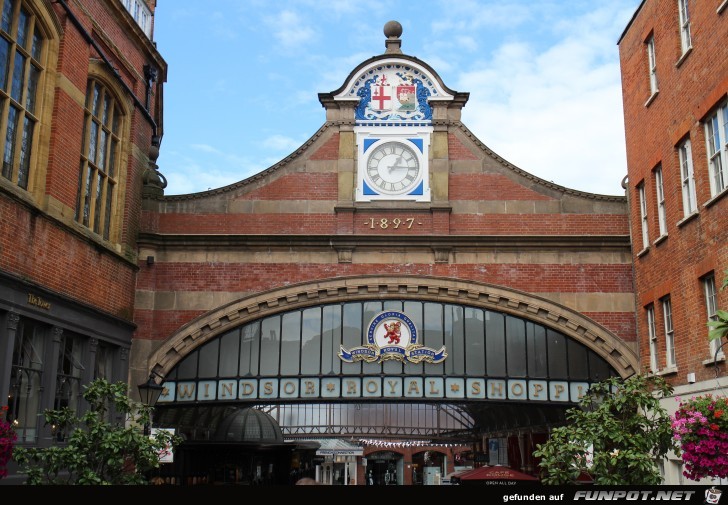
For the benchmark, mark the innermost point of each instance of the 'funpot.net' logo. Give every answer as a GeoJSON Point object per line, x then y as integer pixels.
{"type": "Point", "coordinates": [667, 495]}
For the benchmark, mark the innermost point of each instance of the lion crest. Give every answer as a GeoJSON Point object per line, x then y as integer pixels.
{"type": "Point", "coordinates": [393, 332]}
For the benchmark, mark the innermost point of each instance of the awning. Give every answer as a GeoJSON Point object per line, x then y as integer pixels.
{"type": "Point", "coordinates": [492, 474]}
{"type": "Point", "coordinates": [335, 447]}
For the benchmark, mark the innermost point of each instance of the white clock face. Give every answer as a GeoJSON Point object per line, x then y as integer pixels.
{"type": "Point", "coordinates": [393, 168]}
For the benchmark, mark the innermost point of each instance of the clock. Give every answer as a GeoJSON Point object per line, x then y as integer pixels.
{"type": "Point", "coordinates": [392, 168]}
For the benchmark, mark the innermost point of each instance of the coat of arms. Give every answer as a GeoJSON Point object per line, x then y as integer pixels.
{"type": "Point", "coordinates": [392, 335]}
{"type": "Point", "coordinates": [381, 95]}
{"type": "Point", "coordinates": [395, 95]}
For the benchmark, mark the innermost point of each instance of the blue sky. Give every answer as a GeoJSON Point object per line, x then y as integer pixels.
{"type": "Point", "coordinates": [244, 77]}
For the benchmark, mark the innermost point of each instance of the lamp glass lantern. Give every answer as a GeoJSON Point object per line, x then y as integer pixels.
{"type": "Point", "coordinates": [149, 394]}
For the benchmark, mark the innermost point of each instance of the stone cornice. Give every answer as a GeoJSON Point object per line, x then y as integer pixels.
{"type": "Point", "coordinates": [454, 242]}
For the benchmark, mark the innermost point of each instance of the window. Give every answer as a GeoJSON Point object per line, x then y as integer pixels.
{"type": "Point", "coordinates": [685, 41]}
{"type": "Point", "coordinates": [104, 363]}
{"type": "Point", "coordinates": [654, 363]}
{"type": "Point", "coordinates": [99, 170]}
{"type": "Point", "coordinates": [711, 305]}
{"type": "Point", "coordinates": [660, 193]}
{"type": "Point", "coordinates": [643, 216]}
{"type": "Point", "coordinates": [26, 379]}
{"type": "Point", "coordinates": [652, 63]}
{"type": "Point", "coordinates": [669, 333]}
{"type": "Point", "coordinates": [716, 134]}
{"type": "Point", "coordinates": [70, 369]}
{"type": "Point", "coordinates": [141, 14]}
{"type": "Point", "coordinates": [688, 178]}
{"type": "Point", "coordinates": [21, 46]}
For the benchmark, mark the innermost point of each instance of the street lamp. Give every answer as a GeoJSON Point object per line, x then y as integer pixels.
{"type": "Point", "coordinates": [149, 393]}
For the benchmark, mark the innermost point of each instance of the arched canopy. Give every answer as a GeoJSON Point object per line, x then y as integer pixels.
{"type": "Point", "coordinates": [617, 353]}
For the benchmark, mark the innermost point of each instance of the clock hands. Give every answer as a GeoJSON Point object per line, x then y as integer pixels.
{"type": "Point", "coordinates": [397, 164]}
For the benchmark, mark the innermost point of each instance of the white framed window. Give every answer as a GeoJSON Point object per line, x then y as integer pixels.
{"type": "Point", "coordinates": [716, 135]}
{"type": "Point", "coordinates": [669, 333]}
{"type": "Point", "coordinates": [141, 14]}
{"type": "Point", "coordinates": [688, 178]}
{"type": "Point", "coordinates": [660, 194]}
{"type": "Point", "coordinates": [643, 216]}
{"type": "Point", "coordinates": [711, 306]}
{"type": "Point", "coordinates": [652, 64]}
{"type": "Point", "coordinates": [685, 41]}
{"type": "Point", "coordinates": [680, 476]}
{"type": "Point", "coordinates": [652, 333]}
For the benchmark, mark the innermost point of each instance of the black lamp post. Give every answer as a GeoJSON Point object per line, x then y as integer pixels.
{"type": "Point", "coordinates": [149, 393]}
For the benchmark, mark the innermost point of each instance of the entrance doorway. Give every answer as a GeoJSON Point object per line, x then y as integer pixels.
{"type": "Point", "coordinates": [428, 468]}
{"type": "Point", "coordinates": [384, 468]}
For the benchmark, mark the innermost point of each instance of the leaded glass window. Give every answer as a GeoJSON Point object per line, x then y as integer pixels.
{"type": "Point", "coordinates": [21, 49]}
{"type": "Point", "coordinates": [98, 174]}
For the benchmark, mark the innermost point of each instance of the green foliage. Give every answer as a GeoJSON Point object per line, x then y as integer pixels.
{"type": "Point", "coordinates": [628, 430]}
{"type": "Point", "coordinates": [95, 450]}
{"type": "Point", "coordinates": [719, 327]}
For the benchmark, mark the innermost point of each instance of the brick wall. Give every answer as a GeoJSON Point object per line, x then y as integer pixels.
{"type": "Point", "coordinates": [241, 247]}
{"type": "Point", "coordinates": [689, 87]}
{"type": "Point", "coordinates": [40, 240]}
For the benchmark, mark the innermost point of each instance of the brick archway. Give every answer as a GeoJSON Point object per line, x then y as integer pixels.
{"type": "Point", "coordinates": [614, 350]}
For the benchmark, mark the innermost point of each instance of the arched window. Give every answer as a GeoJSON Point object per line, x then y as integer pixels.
{"type": "Point", "coordinates": [99, 172]}
{"type": "Point", "coordinates": [22, 45]}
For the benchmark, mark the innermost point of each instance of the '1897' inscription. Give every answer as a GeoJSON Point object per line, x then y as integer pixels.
{"type": "Point", "coordinates": [394, 224]}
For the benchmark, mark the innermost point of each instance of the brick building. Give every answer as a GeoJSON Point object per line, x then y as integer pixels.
{"type": "Point", "coordinates": [393, 280]}
{"type": "Point", "coordinates": [674, 60]}
{"type": "Point", "coordinates": [271, 292]}
{"type": "Point", "coordinates": [81, 118]}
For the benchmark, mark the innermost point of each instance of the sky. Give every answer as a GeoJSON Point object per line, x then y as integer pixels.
{"type": "Point", "coordinates": [244, 75]}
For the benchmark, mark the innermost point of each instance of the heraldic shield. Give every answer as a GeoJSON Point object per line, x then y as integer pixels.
{"type": "Point", "coordinates": [391, 335]}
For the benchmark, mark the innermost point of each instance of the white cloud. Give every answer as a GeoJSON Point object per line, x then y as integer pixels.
{"type": "Point", "coordinates": [555, 113]}
{"type": "Point", "coordinates": [204, 148]}
{"type": "Point", "coordinates": [543, 78]}
{"type": "Point", "coordinates": [290, 30]}
{"type": "Point", "coordinates": [281, 143]}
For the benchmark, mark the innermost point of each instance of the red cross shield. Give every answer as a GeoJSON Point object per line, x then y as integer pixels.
{"type": "Point", "coordinates": [381, 97]}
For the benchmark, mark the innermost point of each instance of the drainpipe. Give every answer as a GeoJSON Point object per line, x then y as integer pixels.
{"type": "Point", "coordinates": [90, 40]}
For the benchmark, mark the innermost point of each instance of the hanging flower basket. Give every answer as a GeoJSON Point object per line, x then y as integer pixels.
{"type": "Point", "coordinates": [7, 439]}
{"type": "Point", "coordinates": [700, 426]}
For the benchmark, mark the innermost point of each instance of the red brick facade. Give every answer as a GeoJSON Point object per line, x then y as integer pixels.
{"type": "Point", "coordinates": [68, 286]}
{"type": "Point", "coordinates": [302, 234]}
{"type": "Point", "coordinates": [40, 241]}
{"type": "Point", "coordinates": [691, 85]}
{"type": "Point", "coordinates": [299, 223]}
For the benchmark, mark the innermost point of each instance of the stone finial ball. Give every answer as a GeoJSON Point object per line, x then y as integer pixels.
{"type": "Point", "coordinates": [392, 29]}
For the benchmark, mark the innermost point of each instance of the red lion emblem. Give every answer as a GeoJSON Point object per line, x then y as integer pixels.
{"type": "Point", "coordinates": [393, 332]}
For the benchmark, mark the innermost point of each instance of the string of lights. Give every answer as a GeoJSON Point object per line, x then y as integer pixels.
{"type": "Point", "coordinates": [406, 443]}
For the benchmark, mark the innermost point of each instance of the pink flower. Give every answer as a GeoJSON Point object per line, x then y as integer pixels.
{"type": "Point", "coordinates": [704, 444]}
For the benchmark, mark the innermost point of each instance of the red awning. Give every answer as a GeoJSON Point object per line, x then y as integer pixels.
{"type": "Point", "coordinates": [493, 473]}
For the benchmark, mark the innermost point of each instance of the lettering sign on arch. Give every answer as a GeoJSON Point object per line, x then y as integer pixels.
{"type": "Point", "coordinates": [372, 388]}
{"type": "Point", "coordinates": [390, 335]}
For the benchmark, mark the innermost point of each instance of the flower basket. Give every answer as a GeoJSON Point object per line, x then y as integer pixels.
{"type": "Point", "coordinates": [700, 426]}
{"type": "Point", "coordinates": [7, 439]}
